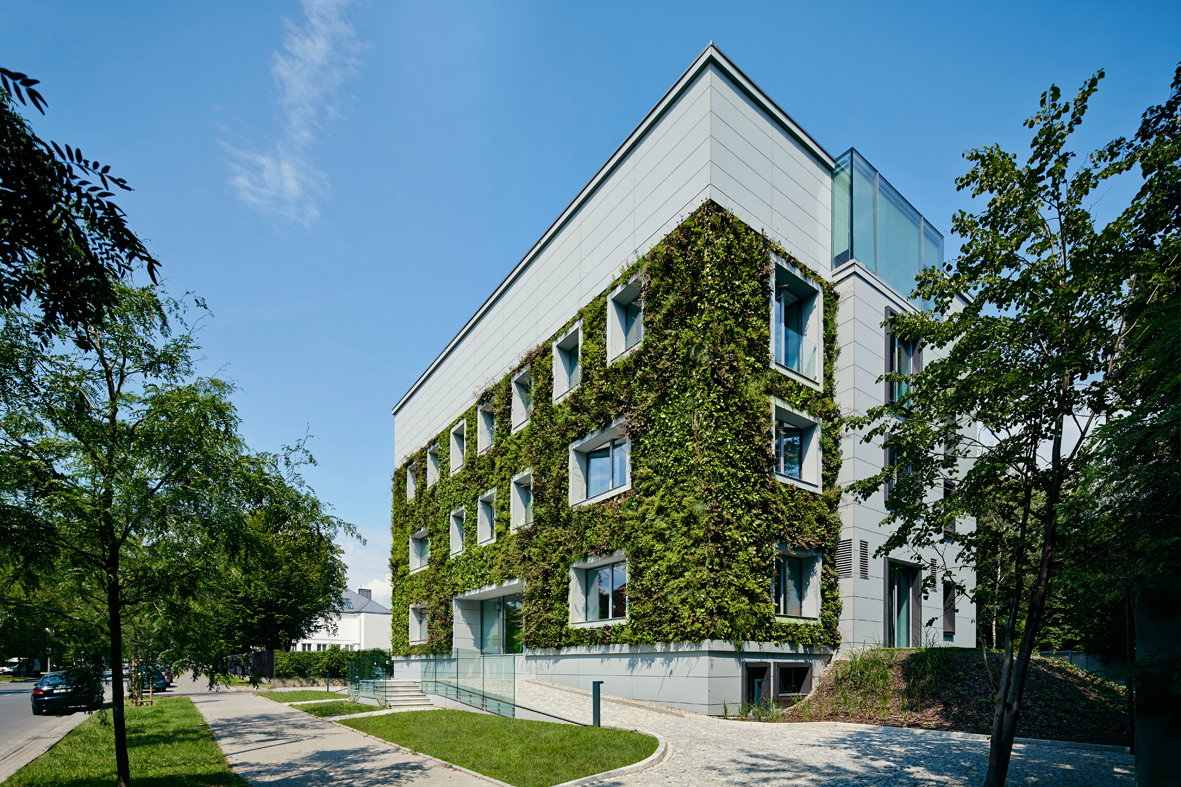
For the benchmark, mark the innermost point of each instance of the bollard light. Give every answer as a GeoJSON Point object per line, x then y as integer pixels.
{"type": "Point", "coordinates": [595, 700]}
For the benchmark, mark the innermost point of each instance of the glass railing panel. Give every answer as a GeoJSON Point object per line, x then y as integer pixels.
{"type": "Point", "coordinates": [500, 683]}
{"type": "Point", "coordinates": [470, 679]}
{"type": "Point", "coordinates": [795, 352]}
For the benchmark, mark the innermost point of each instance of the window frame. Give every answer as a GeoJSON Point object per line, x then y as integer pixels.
{"type": "Point", "coordinates": [788, 277]}
{"type": "Point", "coordinates": [455, 529]}
{"type": "Point", "coordinates": [432, 464]}
{"type": "Point", "coordinates": [458, 447]}
{"type": "Point", "coordinates": [411, 481]}
{"type": "Point", "coordinates": [624, 295]}
{"type": "Point", "coordinates": [521, 511]}
{"type": "Point", "coordinates": [485, 427]}
{"type": "Point", "coordinates": [571, 372]}
{"type": "Point", "coordinates": [417, 562]}
{"type": "Point", "coordinates": [811, 457]}
{"type": "Point", "coordinates": [580, 573]}
{"type": "Point", "coordinates": [419, 624]}
{"type": "Point", "coordinates": [811, 569]}
{"type": "Point", "coordinates": [522, 412]}
{"type": "Point", "coordinates": [486, 517]}
{"type": "Point", "coordinates": [891, 351]}
{"type": "Point", "coordinates": [580, 451]}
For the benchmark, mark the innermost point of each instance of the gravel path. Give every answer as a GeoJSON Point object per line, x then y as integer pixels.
{"type": "Point", "coordinates": [705, 751]}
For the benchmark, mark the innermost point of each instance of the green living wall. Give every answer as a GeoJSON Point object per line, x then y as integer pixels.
{"type": "Point", "coordinates": [702, 519]}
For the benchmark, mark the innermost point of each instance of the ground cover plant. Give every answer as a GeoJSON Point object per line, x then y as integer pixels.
{"type": "Point", "coordinates": [520, 752]}
{"type": "Point", "coordinates": [949, 689]}
{"type": "Point", "coordinates": [168, 744]}
{"type": "Point", "coordinates": [339, 708]}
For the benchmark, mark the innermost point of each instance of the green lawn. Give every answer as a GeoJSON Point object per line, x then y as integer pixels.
{"type": "Point", "coordinates": [168, 744]}
{"type": "Point", "coordinates": [518, 751]}
{"type": "Point", "coordinates": [299, 696]}
{"type": "Point", "coordinates": [324, 709]}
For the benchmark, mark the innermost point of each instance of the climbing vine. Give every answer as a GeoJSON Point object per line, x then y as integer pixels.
{"type": "Point", "coordinates": [702, 520]}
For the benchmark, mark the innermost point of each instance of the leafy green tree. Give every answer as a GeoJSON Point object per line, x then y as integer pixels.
{"type": "Point", "coordinates": [123, 477]}
{"type": "Point", "coordinates": [63, 243]}
{"type": "Point", "coordinates": [1033, 359]}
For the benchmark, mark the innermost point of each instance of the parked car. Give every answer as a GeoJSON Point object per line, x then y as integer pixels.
{"type": "Point", "coordinates": [27, 668]}
{"type": "Point", "coordinates": [166, 671]}
{"type": "Point", "coordinates": [154, 679]}
{"type": "Point", "coordinates": [61, 691]}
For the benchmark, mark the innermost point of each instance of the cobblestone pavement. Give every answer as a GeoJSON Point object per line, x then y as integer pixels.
{"type": "Point", "coordinates": [705, 751]}
{"type": "Point", "coordinates": [269, 743]}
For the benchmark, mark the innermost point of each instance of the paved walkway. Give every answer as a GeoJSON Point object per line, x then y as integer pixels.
{"type": "Point", "coordinates": [705, 751]}
{"type": "Point", "coordinates": [269, 743]}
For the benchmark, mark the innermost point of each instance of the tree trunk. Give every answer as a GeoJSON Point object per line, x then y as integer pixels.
{"type": "Point", "coordinates": [114, 613]}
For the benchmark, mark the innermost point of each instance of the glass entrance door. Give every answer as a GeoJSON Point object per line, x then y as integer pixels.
{"type": "Point", "coordinates": [500, 625]}
{"type": "Point", "coordinates": [902, 584]}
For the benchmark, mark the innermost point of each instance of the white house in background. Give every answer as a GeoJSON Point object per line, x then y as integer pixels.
{"type": "Point", "coordinates": [364, 624]}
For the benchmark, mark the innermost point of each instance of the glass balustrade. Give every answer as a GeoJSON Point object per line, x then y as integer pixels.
{"type": "Point", "coordinates": [473, 678]}
{"type": "Point", "coordinates": [794, 351]}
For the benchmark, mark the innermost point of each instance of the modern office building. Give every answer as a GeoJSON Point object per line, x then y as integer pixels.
{"type": "Point", "coordinates": [628, 465]}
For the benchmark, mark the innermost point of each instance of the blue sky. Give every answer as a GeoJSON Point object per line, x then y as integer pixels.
{"type": "Point", "coordinates": [344, 183]}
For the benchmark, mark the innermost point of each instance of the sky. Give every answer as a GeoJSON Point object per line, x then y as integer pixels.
{"type": "Point", "coordinates": [344, 183]}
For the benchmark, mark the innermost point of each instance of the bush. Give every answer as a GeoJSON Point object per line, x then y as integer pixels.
{"type": "Point", "coordinates": [333, 663]}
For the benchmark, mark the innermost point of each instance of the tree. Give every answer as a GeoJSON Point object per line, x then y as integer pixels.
{"type": "Point", "coordinates": [122, 474]}
{"type": "Point", "coordinates": [1033, 359]}
{"type": "Point", "coordinates": [63, 243]}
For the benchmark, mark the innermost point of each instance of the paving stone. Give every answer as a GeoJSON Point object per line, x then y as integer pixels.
{"type": "Point", "coordinates": [707, 751]}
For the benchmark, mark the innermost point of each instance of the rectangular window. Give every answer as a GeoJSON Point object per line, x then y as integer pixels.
{"type": "Point", "coordinates": [458, 446]}
{"type": "Point", "coordinates": [606, 592]}
{"type": "Point", "coordinates": [522, 500]}
{"type": "Point", "coordinates": [902, 617]}
{"type": "Point", "coordinates": [902, 357]}
{"type": "Point", "coordinates": [625, 319]}
{"type": "Point", "coordinates": [457, 517]}
{"type": "Point", "coordinates": [607, 467]}
{"type": "Point", "coordinates": [567, 362]}
{"type": "Point", "coordinates": [418, 624]}
{"type": "Point", "coordinates": [795, 323]}
{"type": "Point", "coordinates": [486, 518]}
{"type": "Point", "coordinates": [420, 550]}
{"type": "Point", "coordinates": [796, 443]}
{"type": "Point", "coordinates": [432, 464]}
{"type": "Point", "coordinates": [485, 427]}
{"type": "Point", "coordinates": [789, 591]}
{"type": "Point", "coordinates": [411, 482]}
{"type": "Point", "coordinates": [522, 398]}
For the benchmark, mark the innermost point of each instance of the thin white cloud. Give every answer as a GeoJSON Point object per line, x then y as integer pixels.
{"type": "Point", "coordinates": [316, 59]}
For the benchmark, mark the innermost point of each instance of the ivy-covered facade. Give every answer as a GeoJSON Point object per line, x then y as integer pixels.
{"type": "Point", "coordinates": [646, 492]}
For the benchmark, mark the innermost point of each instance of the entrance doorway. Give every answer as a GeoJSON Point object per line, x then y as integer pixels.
{"type": "Point", "coordinates": [902, 613]}
{"type": "Point", "coordinates": [500, 625]}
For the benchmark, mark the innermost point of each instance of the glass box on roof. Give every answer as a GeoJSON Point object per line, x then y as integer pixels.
{"type": "Point", "coordinates": [875, 225]}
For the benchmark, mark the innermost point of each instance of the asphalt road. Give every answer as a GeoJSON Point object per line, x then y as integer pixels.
{"type": "Point", "coordinates": [23, 736]}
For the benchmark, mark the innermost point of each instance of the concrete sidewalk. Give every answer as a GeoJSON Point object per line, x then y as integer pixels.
{"type": "Point", "coordinates": [269, 743]}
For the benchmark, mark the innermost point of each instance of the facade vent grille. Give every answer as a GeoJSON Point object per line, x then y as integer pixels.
{"type": "Point", "coordinates": [934, 570]}
{"type": "Point", "coordinates": [865, 560]}
{"type": "Point", "coordinates": [845, 558]}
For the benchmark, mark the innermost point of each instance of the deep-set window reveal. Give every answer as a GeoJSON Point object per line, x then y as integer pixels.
{"type": "Point", "coordinates": [606, 592]}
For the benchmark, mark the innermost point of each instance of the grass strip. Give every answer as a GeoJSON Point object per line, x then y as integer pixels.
{"type": "Point", "coordinates": [168, 743]}
{"type": "Point", "coordinates": [285, 697]}
{"type": "Point", "coordinates": [522, 752]}
{"type": "Point", "coordinates": [325, 709]}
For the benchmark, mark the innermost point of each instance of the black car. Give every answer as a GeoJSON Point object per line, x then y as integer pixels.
{"type": "Point", "coordinates": [60, 691]}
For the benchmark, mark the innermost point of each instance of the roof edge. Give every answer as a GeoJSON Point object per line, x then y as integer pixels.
{"type": "Point", "coordinates": [711, 55]}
